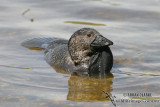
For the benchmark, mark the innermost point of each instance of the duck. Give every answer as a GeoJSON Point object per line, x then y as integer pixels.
{"type": "Point", "coordinates": [87, 52]}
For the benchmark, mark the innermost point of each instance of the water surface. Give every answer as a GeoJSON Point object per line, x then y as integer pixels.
{"type": "Point", "coordinates": [27, 80]}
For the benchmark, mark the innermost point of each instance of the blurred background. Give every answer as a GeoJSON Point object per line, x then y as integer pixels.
{"type": "Point", "coordinates": [26, 80]}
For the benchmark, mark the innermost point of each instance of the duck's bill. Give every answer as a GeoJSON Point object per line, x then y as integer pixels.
{"type": "Point", "coordinates": [101, 41]}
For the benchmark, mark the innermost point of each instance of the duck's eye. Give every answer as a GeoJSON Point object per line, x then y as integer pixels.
{"type": "Point", "coordinates": [89, 35]}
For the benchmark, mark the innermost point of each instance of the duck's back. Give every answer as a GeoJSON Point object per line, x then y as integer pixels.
{"type": "Point", "coordinates": [56, 51]}
{"type": "Point", "coordinates": [43, 43]}
{"type": "Point", "coordinates": [57, 55]}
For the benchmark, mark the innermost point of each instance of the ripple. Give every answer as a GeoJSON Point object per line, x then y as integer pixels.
{"type": "Point", "coordinates": [85, 23]}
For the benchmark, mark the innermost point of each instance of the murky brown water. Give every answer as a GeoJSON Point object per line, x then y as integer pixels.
{"type": "Point", "coordinates": [26, 80]}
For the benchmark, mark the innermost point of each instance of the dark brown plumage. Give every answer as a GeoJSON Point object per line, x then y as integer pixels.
{"type": "Point", "coordinates": [86, 52]}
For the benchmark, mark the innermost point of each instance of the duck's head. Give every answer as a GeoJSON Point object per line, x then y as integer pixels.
{"type": "Point", "coordinates": [84, 43]}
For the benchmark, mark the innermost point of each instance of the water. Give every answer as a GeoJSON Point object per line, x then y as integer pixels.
{"type": "Point", "coordinates": [27, 80]}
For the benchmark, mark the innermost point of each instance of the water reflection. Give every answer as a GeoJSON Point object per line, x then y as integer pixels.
{"type": "Point", "coordinates": [83, 89]}
{"type": "Point", "coordinates": [85, 23]}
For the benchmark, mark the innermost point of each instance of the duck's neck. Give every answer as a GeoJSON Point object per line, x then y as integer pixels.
{"type": "Point", "coordinates": [81, 58]}
{"type": "Point", "coordinates": [79, 53]}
